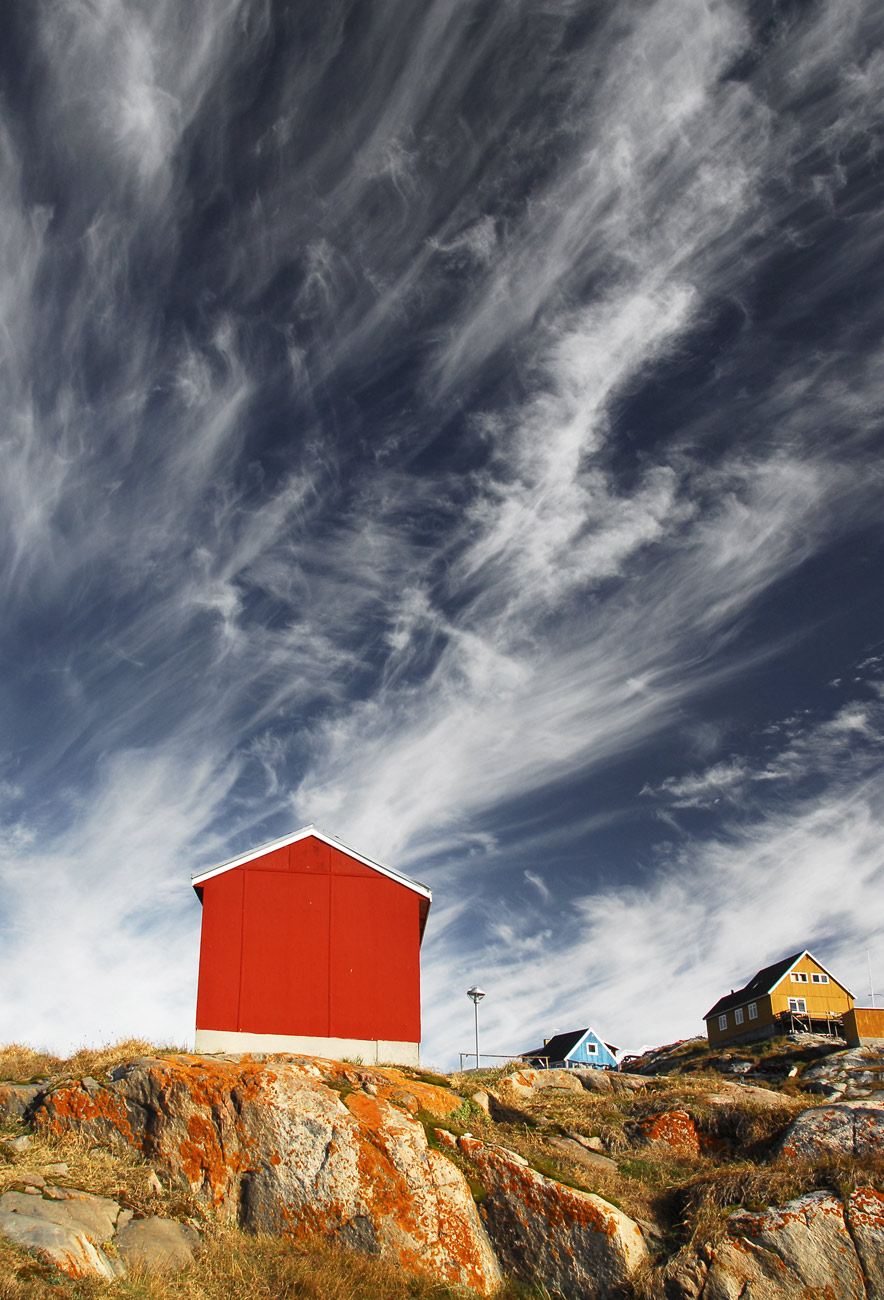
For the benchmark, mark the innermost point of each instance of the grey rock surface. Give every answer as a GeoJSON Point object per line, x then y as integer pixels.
{"type": "Point", "coordinates": [845, 1128]}
{"type": "Point", "coordinates": [865, 1220]}
{"type": "Point", "coordinates": [856, 1073]}
{"type": "Point", "coordinates": [158, 1245]}
{"type": "Point", "coordinates": [65, 1246]}
{"type": "Point", "coordinates": [67, 1207]}
{"type": "Point", "coordinates": [298, 1146]}
{"type": "Point", "coordinates": [16, 1099]}
{"type": "Point", "coordinates": [804, 1249]}
{"type": "Point", "coordinates": [573, 1243]}
{"type": "Point", "coordinates": [577, 1151]}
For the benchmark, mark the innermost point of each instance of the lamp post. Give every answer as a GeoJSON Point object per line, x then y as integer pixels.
{"type": "Point", "coordinates": [476, 995]}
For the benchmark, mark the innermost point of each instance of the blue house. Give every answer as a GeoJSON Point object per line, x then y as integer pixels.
{"type": "Point", "coordinates": [575, 1050]}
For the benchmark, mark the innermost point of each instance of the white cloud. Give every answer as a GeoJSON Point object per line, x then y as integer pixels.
{"type": "Point", "coordinates": [643, 963]}
{"type": "Point", "coordinates": [412, 650]}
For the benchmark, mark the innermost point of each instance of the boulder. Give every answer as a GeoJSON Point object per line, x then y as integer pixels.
{"type": "Point", "coordinates": [68, 1248]}
{"type": "Point", "coordinates": [801, 1250]}
{"type": "Point", "coordinates": [843, 1128]}
{"type": "Point", "coordinates": [572, 1243]}
{"type": "Point", "coordinates": [865, 1220]}
{"type": "Point", "coordinates": [597, 1080]}
{"type": "Point", "coordinates": [524, 1084]}
{"type": "Point", "coordinates": [16, 1099]}
{"type": "Point", "coordinates": [158, 1245]}
{"type": "Point", "coordinates": [297, 1145]}
{"type": "Point", "coordinates": [65, 1226]}
{"type": "Point", "coordinates": [585, 1156]}
{"type": "Point", "coordinates": [673, 1128]}
{"type": "Point", "coordinates": [68, 1207]}
{"type": "Point", "coordinates": [741, 1094]}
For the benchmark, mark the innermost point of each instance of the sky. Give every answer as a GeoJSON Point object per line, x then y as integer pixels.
{"type": "Point", "coordinates": [457, 425]}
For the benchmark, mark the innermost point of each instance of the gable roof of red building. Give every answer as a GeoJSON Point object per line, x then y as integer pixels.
{"type": "Point", "coordinates": [200, 877]}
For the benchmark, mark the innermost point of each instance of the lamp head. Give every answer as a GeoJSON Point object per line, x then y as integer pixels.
{"type": "Point", "coordinates": [475, 993]}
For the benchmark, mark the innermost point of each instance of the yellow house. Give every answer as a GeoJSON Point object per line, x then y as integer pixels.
{"type": "Point", "coordinates": [795, 994]}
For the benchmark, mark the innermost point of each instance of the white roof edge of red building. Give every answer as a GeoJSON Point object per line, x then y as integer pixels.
{"type": "Point", "coordinates": [201, 876]}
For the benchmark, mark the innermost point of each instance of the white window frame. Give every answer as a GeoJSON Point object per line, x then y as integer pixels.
{"type": "Point", "coordinates": [753, 1010]}
{"type": "Point", "coordinates": [819, 979]}
{"type": "Point", "coordinates": [722, 1021]}
{"type": "Point", "coordinates": [592, 1049]}
{"type": "Point", "coordinates": [798, 1006]}
{"type": "Point", "coordinates": [798, 977]}
{"type": "Point", "coordinates": [738, 1016]}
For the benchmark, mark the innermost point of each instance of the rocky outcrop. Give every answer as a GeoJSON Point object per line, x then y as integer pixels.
{"type": "Point", "coordinates": [158, 1245]}
{"type": "Point", "coordinates": [296, 1145]}
{"type": "Point", "coordinates": [672, 1128]}
{"type": "Point", "coordinates": [576, 1244]}
{"type": "Point", "coordinates": [865, 1221]}
{"type": "Point", "coordinates": [854, 1074]}
{"type": "Point", "coordinates": [527, 1084]}
{"type": "Point", "coordinates": [812, 1247]}
{"type": "Point", "coordinates": [523, 1085]}
{"type": "Point", "coordinates": [853, 1129]}
{"type": "Point", "coordinates": [73, 1229]}
{"type": "Point", "coordinates": [16, 1099]}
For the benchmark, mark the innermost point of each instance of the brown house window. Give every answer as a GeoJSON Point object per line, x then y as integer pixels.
{"type": "Point", "coordinates": [722, 1021]}
{"type": "Point", "coordinates": [738, 1016]}
{"type": "Point", "coordinates": [753, 1010]}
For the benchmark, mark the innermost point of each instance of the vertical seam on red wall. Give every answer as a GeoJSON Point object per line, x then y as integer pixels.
{"type": "Point", "coordinates": [328, 948]}
{"type": "Point", "coordinates": [242, 943]}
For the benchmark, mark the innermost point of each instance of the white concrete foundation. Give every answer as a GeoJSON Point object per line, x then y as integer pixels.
{"type": "Point", "coordinates": [370, 1051]}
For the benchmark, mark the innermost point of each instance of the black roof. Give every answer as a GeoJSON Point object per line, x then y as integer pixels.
{"type": "Point", "coordinates": [758, 985]}
{"type": "Point", "coordinates": [558, 1047]}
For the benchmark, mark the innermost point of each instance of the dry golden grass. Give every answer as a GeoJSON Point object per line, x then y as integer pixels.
{"type": "Point", "coordinates": [21, 1064]}
{"type": "Point", "coordinates": [121, 1174]}
{"type": "Point", "coordinates": [234, 1266]}
{"type": "Point", "coordinates": [688, 1198]}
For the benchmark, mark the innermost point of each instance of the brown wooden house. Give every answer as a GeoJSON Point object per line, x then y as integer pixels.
{"type": "Point", "coordinates": [796, 994]}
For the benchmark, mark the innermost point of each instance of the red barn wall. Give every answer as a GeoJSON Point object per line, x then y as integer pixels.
{"type": "Point", "coordinates": [308, 941]}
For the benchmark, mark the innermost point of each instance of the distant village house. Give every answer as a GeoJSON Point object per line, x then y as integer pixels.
{"type": "Point", "coordinates": [578, 1049]}
{"type": "Point", "coordinates": [309, 947]}
{"type": "Point", "coordinates": [795, 995]}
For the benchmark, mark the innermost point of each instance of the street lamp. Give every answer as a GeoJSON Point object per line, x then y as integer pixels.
{"type": "Point", "coordinates": [476, 995]}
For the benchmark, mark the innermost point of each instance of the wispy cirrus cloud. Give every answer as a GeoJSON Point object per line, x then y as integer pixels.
{"type": "Point", "coordinates": [646, 961]}
{"type": "Point", "coordinates": [397, 431]}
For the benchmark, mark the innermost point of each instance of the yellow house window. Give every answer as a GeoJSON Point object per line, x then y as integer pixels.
{"type": "Point", "coordinates": [819, 979]}
{"type": "Point", "coordinates": [798, 977]}
{"type": "Point", "coordinates": [798, 1005]}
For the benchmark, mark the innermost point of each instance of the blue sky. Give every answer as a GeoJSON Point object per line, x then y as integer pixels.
{"type": "Point", "coordinates": [457, 425]}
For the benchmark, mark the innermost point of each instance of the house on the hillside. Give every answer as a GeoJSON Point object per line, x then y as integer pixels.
{"type": "Point", "coordinates": [796, 994]}
{"type": "Point", "coordinates": [577, 1049]}
{"type": "Point", "coordinates": [309, 947]}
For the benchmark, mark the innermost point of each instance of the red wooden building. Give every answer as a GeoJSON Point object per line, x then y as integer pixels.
{"type": "Point", "coordinates": [309, 947]}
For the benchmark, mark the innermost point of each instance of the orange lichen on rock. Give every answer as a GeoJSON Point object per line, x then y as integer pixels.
{"type": "Point", "coordinates": [301, 1146]}
{"type": "Point", "coordinates": [578, 1243]}
{"type": "Point", "coordinates": [72, 1107]}
{"type": "Point", "coordinates": [675, 1128]}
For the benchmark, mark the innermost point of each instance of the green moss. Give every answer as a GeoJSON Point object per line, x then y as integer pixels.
{"type": "Point", "coordinates": [427, 1076]}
